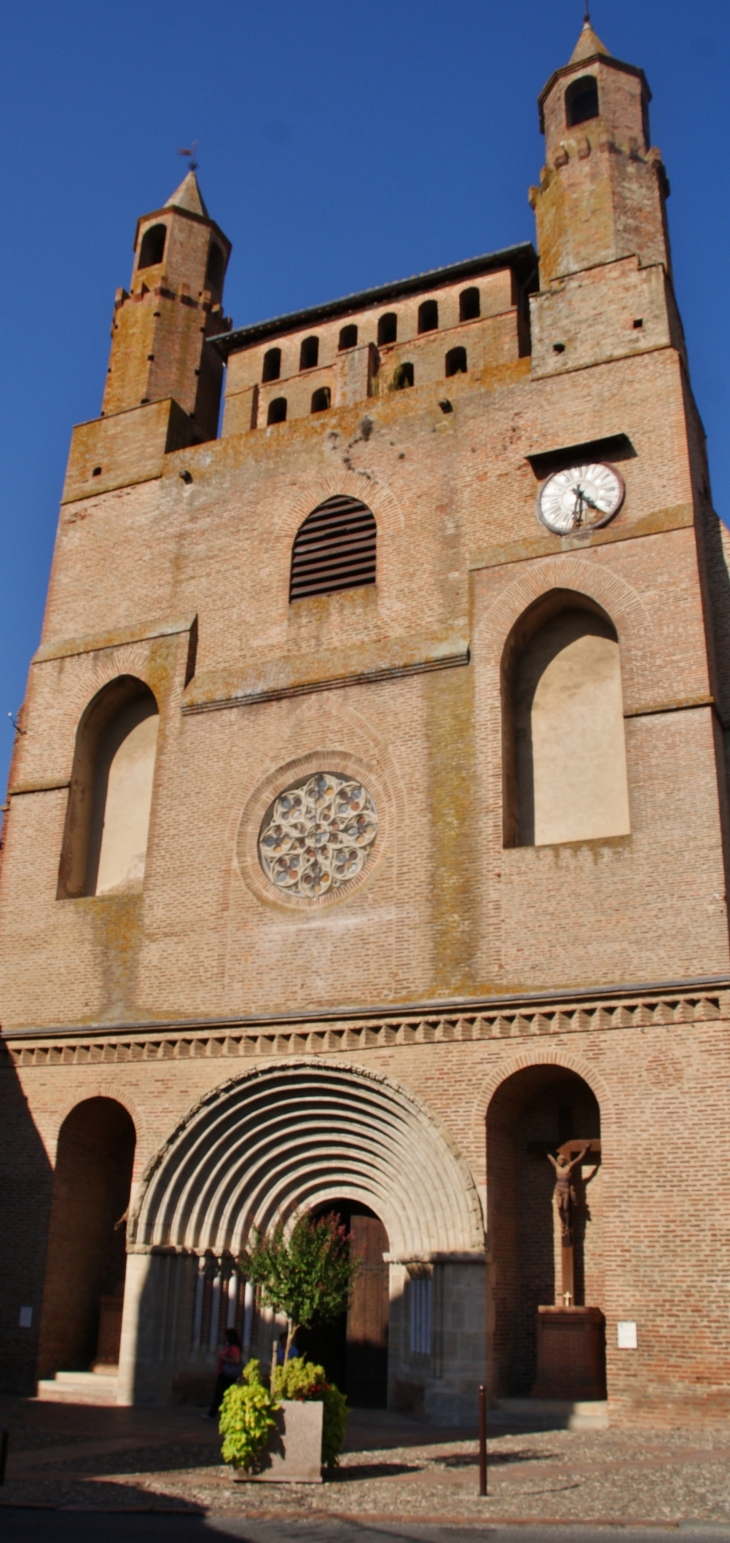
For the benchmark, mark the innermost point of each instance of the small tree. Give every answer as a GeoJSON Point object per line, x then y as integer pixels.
{"type": "Point", "coordinates": [308, 1276]}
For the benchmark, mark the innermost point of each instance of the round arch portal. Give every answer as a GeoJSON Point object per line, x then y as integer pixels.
{"type": "Point", "coordinates": [292, 1136]}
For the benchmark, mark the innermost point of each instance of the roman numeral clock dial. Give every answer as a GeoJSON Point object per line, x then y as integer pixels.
{"type": "Point", "coordinates": [580, 498]}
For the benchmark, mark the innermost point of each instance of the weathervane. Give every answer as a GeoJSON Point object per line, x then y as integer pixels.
{"type": "Point", "coordinates": [192, 153]}
{"type": "Point", "coordinates": [587, 15]}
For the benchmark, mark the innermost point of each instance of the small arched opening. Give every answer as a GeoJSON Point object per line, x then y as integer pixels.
{"type": "Point", "coordinates": [309, 354]}
{"type": "Point", "coordinates": [388, 328]}
{"type": "Point", "coordinates": [152, 249]}
{"type": "Point", "coordinates": [581, 101]}
{"type": "Point", "coordinates": [403, 376]}
{"type": "Point", "coordinates": [277, 410]}
{"type": "Point", "coordinates": [86, 1258]}
{"type": "Point", "coordinates": [321, 399]}
{"type": "Point", "coordinates": [456, 361]}
{"type": "Point", "coordinates": [216, 266]}
{"type": "Point", "coordinates": [469, 304]}
{"type": "Point", "coordinates": [428, 316]}
{"type": "Point", "coordinates": [535, 1113]}
{"type": "Point", "coordinates": [565, 775]}
{"type": "Point", "coordinates": [272, 365]}
{"type": "Point", "coordinates": [110, 797]}
{"type": "Point", "coordinates": [348, 337]}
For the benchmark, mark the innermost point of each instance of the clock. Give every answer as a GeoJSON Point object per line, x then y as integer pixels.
{"type": "Point", "coordinates": [580, 498]}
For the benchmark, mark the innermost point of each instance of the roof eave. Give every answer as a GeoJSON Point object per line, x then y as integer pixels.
{"type": "Point", "coordinates": [521, 258]}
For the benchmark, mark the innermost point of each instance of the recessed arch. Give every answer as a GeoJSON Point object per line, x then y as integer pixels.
{"type": "Point", "coordinates": [292, 1136]}
{"type": "Point", "coordinates": [108, 812]}
{"type": "Point", "coordinates": [565, 776]}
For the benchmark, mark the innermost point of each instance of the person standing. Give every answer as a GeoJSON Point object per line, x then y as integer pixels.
{"type": "Point", "coordinates": [228, 1371]}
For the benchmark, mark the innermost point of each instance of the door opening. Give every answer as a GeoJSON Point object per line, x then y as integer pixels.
{"type": "Point", "coordinates": [354, 1349]}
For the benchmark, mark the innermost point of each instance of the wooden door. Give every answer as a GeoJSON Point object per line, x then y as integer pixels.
{"type": "Point", "coordinates": [366, 1377]}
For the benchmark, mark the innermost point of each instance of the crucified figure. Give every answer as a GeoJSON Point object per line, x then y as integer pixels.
{"type": "Point", "coordinates": [564, 1192]}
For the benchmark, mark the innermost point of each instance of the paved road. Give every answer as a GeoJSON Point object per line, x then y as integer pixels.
{"type": "Point", "coordinates": [37, 1526]}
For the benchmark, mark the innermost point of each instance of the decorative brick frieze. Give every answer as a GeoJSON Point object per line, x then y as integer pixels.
{"type": "Point", "coordinates": [151, 1043]}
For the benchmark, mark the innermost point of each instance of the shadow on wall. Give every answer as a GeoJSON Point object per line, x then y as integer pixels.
{"type": "Point", "coordinates": [25, 1201]}
{"type": "Point", "coordinates": [711, 531]}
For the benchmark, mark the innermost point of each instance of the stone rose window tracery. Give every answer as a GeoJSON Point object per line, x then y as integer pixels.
{"type": "Point", "coordinates": [318, 834]}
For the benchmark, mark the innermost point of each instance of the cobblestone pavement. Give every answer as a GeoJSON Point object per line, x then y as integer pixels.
{"type": "Point", "coordinates": [75, 1456]}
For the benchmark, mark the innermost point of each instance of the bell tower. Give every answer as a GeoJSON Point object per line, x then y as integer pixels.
{"type": "Point", "coordinates": [603, 188]}
{"type": "Point", "coordinates": [163, 384]}
{"type": "Point", "coordinates": [605, 281]}
{"type": "Point", "coordinates": [173, 305]}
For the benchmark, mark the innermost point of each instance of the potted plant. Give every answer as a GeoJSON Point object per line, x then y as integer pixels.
{"type": "Point", "coordinates": [288, 1431]}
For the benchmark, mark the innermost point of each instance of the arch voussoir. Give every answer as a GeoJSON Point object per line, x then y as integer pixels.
{"type": "Point", "coordinates": [263, 1147]}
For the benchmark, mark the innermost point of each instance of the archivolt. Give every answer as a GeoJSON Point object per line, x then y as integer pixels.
{"type": "Point", "coordinates": [290, 1136]}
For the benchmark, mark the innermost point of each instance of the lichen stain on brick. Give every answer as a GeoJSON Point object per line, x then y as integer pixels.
{"type": "Point", "coordinates": [116, 938]}
{"type": "Point", "coordinates": [453, 868]}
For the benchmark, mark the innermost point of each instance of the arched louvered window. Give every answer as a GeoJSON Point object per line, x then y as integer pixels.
{"type": "Point", "coordinates": [334, 549]}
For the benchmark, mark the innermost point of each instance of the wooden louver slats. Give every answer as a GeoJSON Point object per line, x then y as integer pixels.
{"type": "Point", "coordinates": [334, 549]}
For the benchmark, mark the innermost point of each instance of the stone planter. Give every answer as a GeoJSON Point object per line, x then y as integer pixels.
{"type": "Point", "coordinates": [294, 1452]}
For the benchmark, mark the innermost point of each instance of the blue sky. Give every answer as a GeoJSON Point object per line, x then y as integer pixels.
{"type": "Point", "coordinates": [341, 146]}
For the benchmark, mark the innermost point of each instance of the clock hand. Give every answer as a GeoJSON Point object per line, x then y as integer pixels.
{"type": "Point", "coordinates": [579, 499]}
{"type": "Point", "coordinates": [583, 498]}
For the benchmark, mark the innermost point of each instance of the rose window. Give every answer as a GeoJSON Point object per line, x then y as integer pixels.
{"type": "Point", "coordinates": [318, 834]}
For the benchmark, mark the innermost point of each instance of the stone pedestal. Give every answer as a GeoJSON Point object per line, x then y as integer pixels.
{"type": "Point", "coordinates": [571, 1353]}
{"type": "Point", "coordinates": [294, 1453]}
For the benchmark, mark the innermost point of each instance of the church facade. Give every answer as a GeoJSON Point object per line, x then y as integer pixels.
{"type": "Point", "coordinates": [366, 836]}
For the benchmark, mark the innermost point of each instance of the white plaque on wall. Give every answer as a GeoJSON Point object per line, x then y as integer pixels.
{"type": "Point", "coordinates": [26, 1318]}
{"type": "Point", "coordinates": [626, 1336]}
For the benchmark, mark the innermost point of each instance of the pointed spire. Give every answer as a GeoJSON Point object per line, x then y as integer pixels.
{"type": "Point", "coordinates": [188, 196]}
{"type": "Point", "coordinates": [588, 44]}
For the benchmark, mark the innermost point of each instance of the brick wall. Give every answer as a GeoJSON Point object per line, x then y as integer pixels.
{"type": "Point", "coordinates": [173, 566]}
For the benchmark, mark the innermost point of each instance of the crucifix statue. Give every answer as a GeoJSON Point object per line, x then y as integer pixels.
{"type": "Point", "coordinates": [565, 1200]}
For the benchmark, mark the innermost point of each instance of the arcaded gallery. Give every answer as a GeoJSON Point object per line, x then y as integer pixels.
{"type": "Point", "coordinates": [365, 843]}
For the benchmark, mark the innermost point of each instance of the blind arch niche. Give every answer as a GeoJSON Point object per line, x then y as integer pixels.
{"type": "Point", "coordinates": [107, 823]}
{"type": "Point", "coordinates": [565, 754]}
{"type": "Point", "coordinates": [334, 549]}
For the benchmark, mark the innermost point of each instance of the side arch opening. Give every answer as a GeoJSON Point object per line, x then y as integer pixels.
{"type": "Point", "coordinates": [536, 1112]}
{"type": "Point", "coordinates": [86, 1261]}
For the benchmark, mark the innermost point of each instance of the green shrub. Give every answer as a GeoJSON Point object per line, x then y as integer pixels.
{"type": "Point", "coordinates": [247, 1417]}
{"type": "Point", "coordinates": [300, 1379]}
{"type": "Point", "coordinates": [307, 1274]}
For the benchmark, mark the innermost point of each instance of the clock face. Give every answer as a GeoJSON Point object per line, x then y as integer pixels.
{"type": "Point", "coordinates": [580, 498]}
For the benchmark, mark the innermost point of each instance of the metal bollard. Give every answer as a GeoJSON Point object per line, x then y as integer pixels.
{"type": "Point", "coordinates": [482, 1440]}
{"type": "Point", "coordinates": [4, 1439]}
